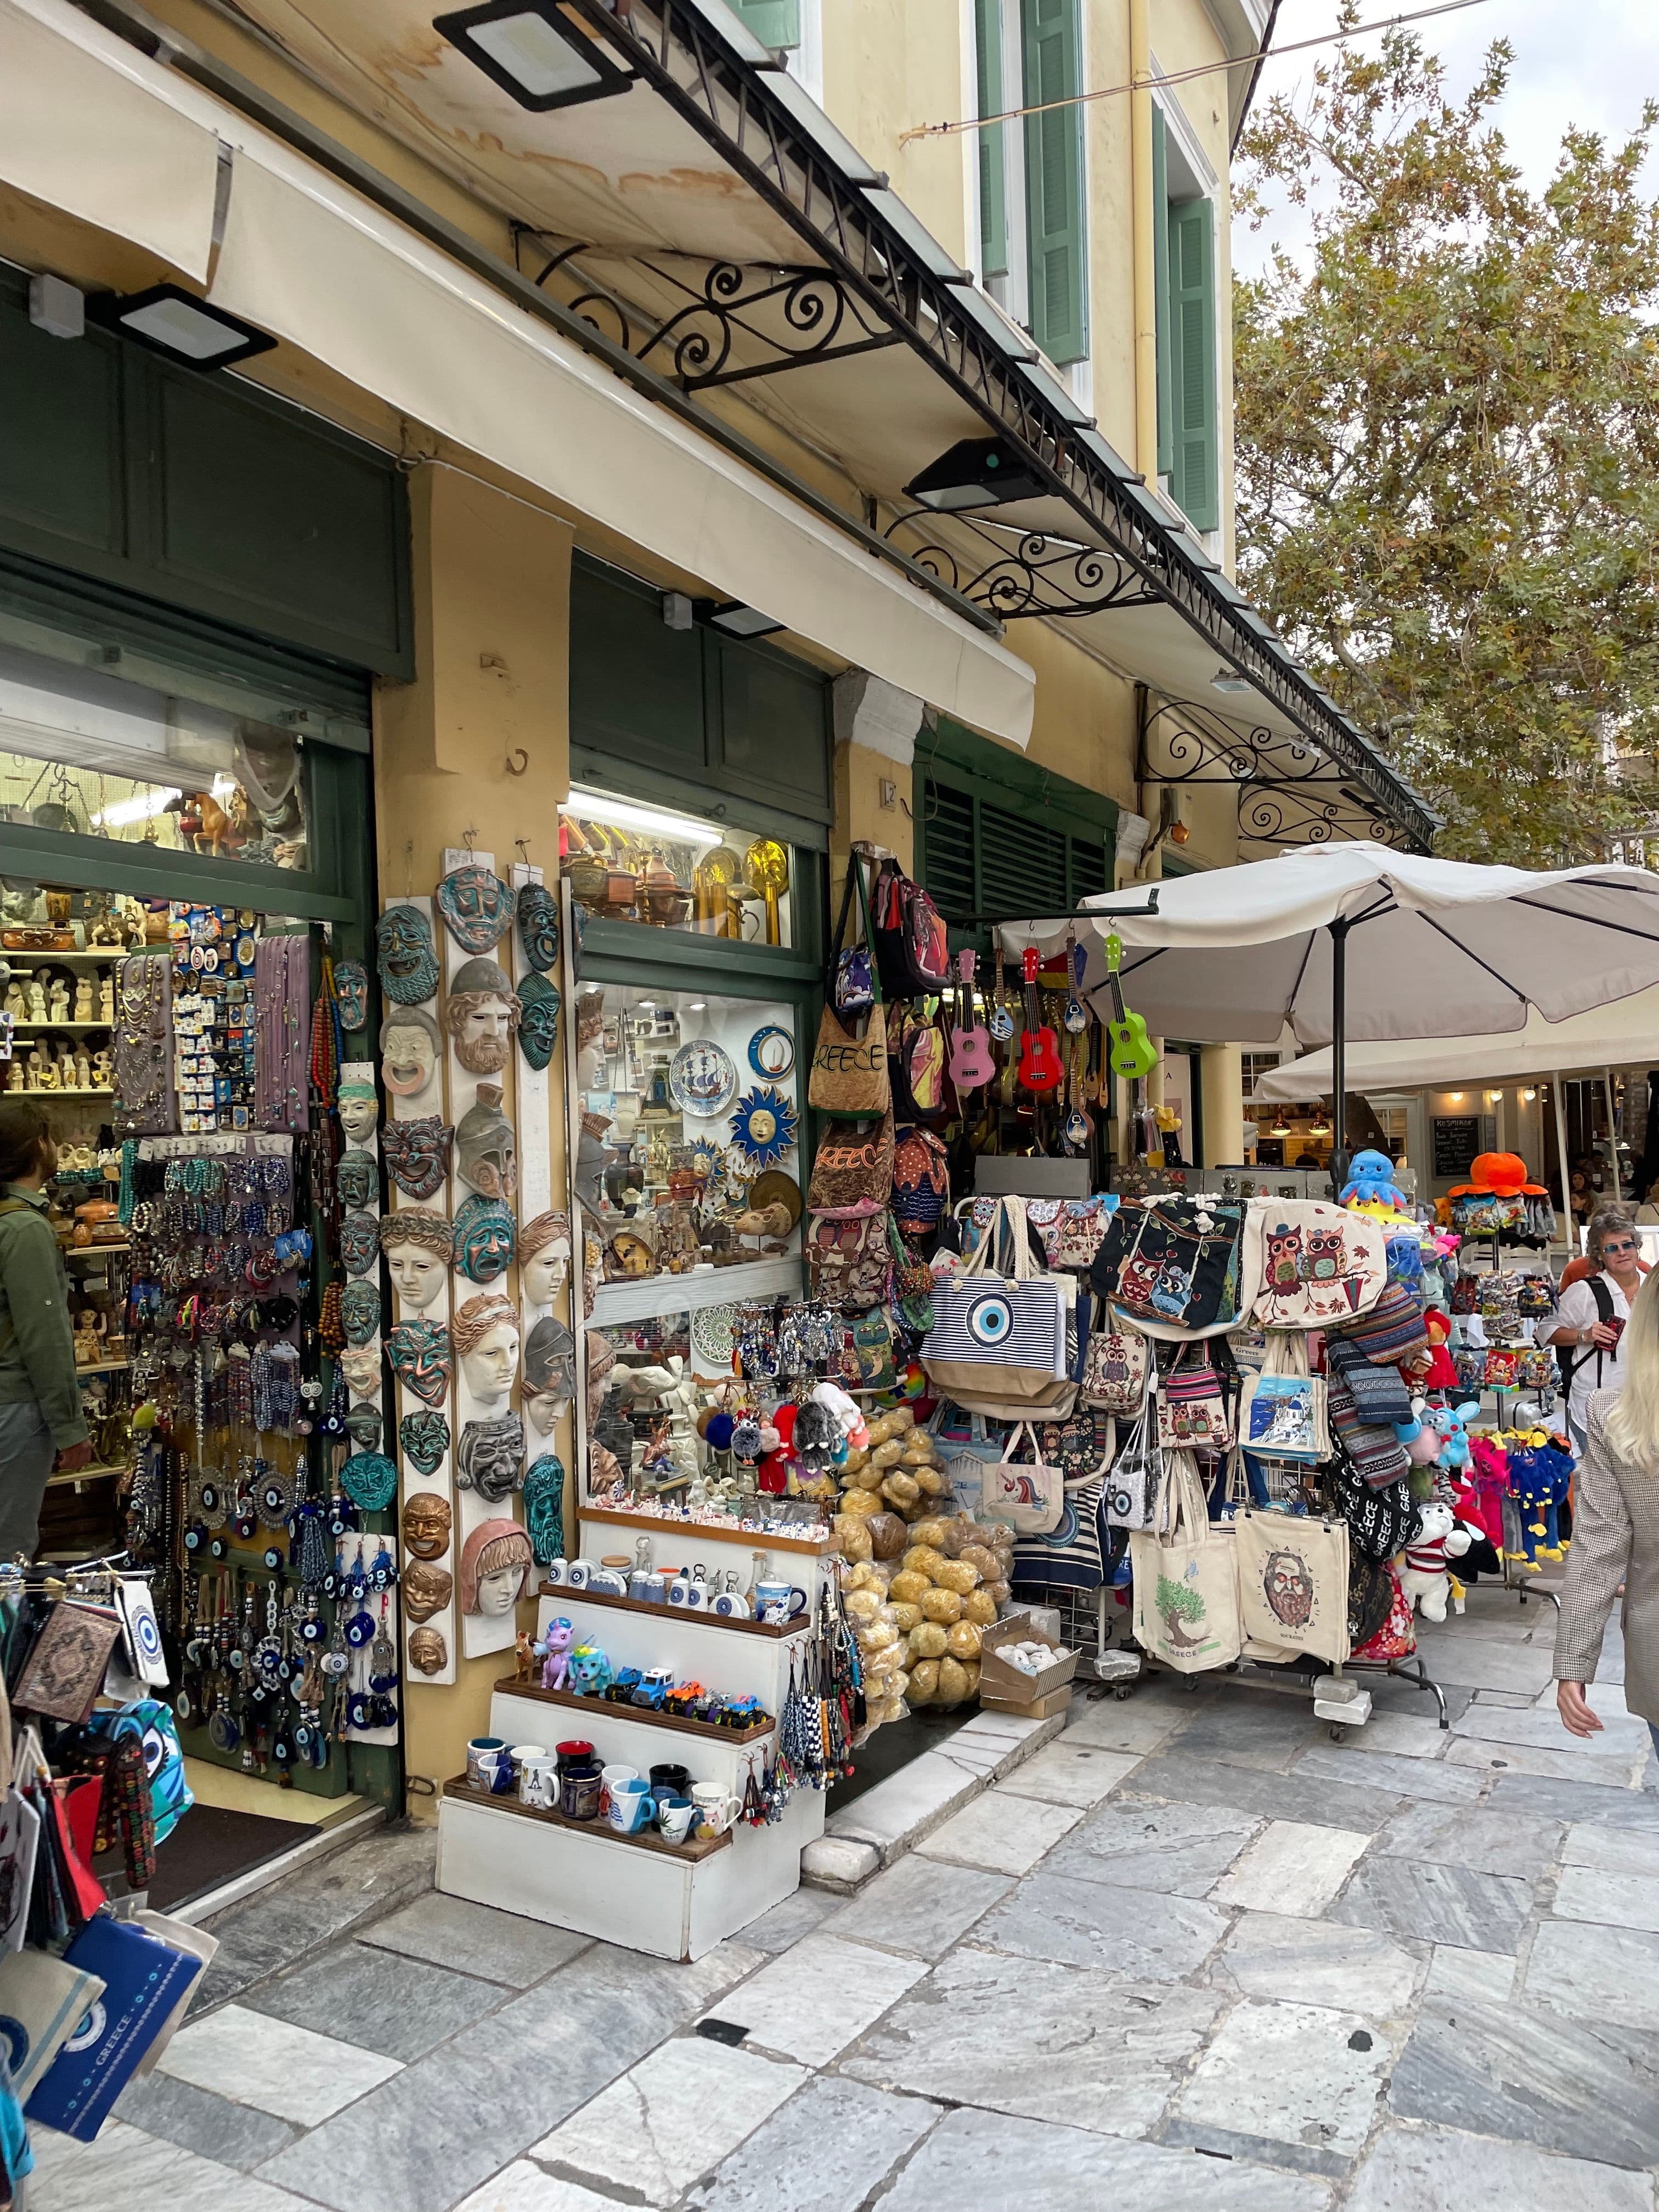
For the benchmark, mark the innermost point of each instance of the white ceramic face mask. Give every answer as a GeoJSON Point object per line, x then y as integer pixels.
{"type": "Point", "coordinates": [498, 1593]}
{"type": "Point", "coordinates": [491, 1365]}
{"type": "Point", "coordinates": [358, 1117]}
{"type": "Point", "coordinates": [545, 1412]}
{"type": "Point", "coordinates": [419, 1275]}
{"type": "Point", "coordinates": [407, 1059]}
{"type": "Point", "coordinates": [542, 1275]}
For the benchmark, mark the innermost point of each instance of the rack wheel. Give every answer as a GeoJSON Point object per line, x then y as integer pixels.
{"type": "Point", "coordinates": [1122, 1692]}
{"type": "Point", "coordinates": [1337, 1732]}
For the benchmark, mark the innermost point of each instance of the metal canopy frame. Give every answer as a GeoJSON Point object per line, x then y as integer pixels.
{"type": "Point", "coordinates": [1022, 572]}
{"type": "Point", "coordinates": [678, 52]}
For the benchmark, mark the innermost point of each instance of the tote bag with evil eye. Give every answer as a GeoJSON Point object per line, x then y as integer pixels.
{"type": "Point", "coordinates": [998, 1344]}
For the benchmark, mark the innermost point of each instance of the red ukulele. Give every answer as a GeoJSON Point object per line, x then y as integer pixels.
{"type": "Point", "coordinates": [971, 1063]}
{"type": "Point", "coordinates": [1039, 1054]}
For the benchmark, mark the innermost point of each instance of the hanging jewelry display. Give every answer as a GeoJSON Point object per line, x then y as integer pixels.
{"type": "Point", "coordinates": [281, 1009]}
{"type": "Point", "coordinates": [404, 954]}
{"type": "Point", "coordinates": [145, 1104]}
{"type": "Point", "coordinates": [476, 907]}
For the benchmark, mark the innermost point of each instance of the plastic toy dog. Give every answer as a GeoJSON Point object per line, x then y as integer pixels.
{"type": "Point", "coordinates": [590, 1672]}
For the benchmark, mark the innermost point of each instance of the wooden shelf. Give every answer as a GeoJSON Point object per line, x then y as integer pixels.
{"type": "Point", "coordinates": [509, 1685]}
{"type": "Point", "coordinates": [106, 1367]}
{"type": "Point", "coordinates": [693, 1848]}
{"type": "Point", "coordinates": [101, 956]}
{"type": "Point", "coordinates": [696, 1615]}
{"type": "Point", "coordinates": [95, 1090]}
{"type": "Point", "coordinates": [48, 1029]}
{"type": "Point", "coordinates": [83, 1474]}
{"type": "Point", "coordinates": [93, 1251]}
{"type": "Point", "coordinates": [756, 1539]}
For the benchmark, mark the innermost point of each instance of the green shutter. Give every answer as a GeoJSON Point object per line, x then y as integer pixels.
{"type": "Point", "coordinates": [993, 143]}
{"type": "Point", "coordinates": [775, 23]}
{"type": "Point", "coordinates": [1054, 179]}
{"type": "Point", "coordinates": [1193, 470]}
{"type": "Point", "coordinates": [1161, 291]}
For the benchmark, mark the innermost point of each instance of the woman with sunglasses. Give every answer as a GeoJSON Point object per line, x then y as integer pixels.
{"type": "Point", "coordinates": [1615, 1537]}
{"type": "Point", "coordinates": [1591, 1314]}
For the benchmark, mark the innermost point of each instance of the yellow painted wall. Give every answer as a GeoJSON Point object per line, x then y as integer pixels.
{"type": "Point", "coordinates": [492, 603]}
{"type": "Point", "coordinates": [888, 65]}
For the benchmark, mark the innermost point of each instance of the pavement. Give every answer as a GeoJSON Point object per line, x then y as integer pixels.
{"type": "Point", "coordinates": [1190, 1956]}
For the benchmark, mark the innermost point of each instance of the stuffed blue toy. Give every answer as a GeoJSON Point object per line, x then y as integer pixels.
{"type": "Point", "coordinates": [1370, 1182]}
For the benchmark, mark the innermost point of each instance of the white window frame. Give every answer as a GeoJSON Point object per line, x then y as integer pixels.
{"type": "Point", "coordinates": [1185, 159]}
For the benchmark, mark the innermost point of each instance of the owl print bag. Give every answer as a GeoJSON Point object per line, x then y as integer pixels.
{"type": "Point", "coordinates": [1309, 1264]}
{"type": "Point", "coordinates": [1172, 1265]}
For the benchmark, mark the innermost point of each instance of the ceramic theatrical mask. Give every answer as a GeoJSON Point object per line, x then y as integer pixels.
{"type": "Point", "coordinates": [426, 1589]}
{"type": "Point", "coordinates": [476, 907]}
{"type": "Point", "coordinates": [360, 1365]}
{"type": "Point", "coordinates": [495, 1563]}
{"type": "Point", "coordinates": [539, 926]}
{"type": "Point", "coordinates": [360, 1311]}
{"type": "Point", "coordinates": [427, 1523]}
{"type": "Point", "coordinates": [410, 1046]}
{"type": "Point", "coordinates": [539, 1020]}
{"type": "Point", "coordinates": [427, 1652]}
{"type": "Point", "coordinates": [417, 1154]}
{"type": "Point", "coordinates": [357, 1179]}
{"type": "Point", "coordinates": [403, 954]}
{"type": "Point", "coordinates": [363, 1427]}
{"type": "Point", "coordinates": [550, 1358]}
{"type": "Point", "coordinates": [420, 1356]}
{"type": "Point", "coordinates": [351, 994]}
{"type": "Point", "coordinates": [489, 1458]}
{"type": "Point", "coordinates": [369, 1480]}
{"type": "Point", "coordinates": [544, 1257]}
{"type": "Point", "coordinates": [419, 1245]}
{"type": "Point", "coordinates": [481, 1014]}
{"type": "Point", "coordinates": [543, 1508]}
{"type": "Point", "coordinates": [360, 1109]}
{"type": "Point", "coordinates": [425, 1439]}
{"type": "Point", "coordinates": [485, 1334]}
{"type": "Point", "coordinates": [360, 1243]}
{"type": "Point", "coordinates": [483, 1239]}
{"type": "Point", "coordinates": [486, 1150]}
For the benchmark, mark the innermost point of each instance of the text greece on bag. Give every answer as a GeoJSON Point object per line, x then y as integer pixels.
{"type": "Point", "coordinates": [1185, 1585]}
{"type": "Point", "coordinates": [1308, 1264]}
{"type": "Point", "coordinates": [849, 1078]}
{"type": "Point", "coordinates": [1028, 1494]}
{"type": "Point", "coordinates": [1293, 1580]}
{"type": "Point", "coordinates": [1172, 1265]}
{"type": "Point", "coordinates": [998, 1344]}
{"type": "Point", "coordinates": [853, 1171]}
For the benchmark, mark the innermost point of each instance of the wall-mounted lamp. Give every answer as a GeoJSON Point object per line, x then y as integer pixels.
{"type": "Point", "coordinates": [170, 320]}
{"type": "Point", "coordinates": [535, 52]}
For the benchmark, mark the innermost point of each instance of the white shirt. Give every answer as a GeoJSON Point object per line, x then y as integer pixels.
{"type": "Point", "coordinates": [1576, 1309]}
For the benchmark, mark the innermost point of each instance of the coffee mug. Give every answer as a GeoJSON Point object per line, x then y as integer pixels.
{"type": "Point", "coordinates": [538, 1782]}
{"type": "Point", "coordinates": [610, 1777]}
{"type": "Point", "coordinates": [519, 1753]}
{"type": "Point", "coordinates": [484, 1755]}
{"type": "Point", "coordinates": [632, 1807]}
{"type": "Point", "coordinates": [579, 1793]}
{"type": "Point", "coordinates": [777, 1602]}
{"type": "Point", "coordinates": [717, 1808]}
{"type": "Point", "coordinates": [674, 1819]}
{"type": "Point", "coordinates": [556, 1572]}
{"type": "Point", "coordinates": [670, 1781]}
{"type": "Point", "coordinates": [573, 1753]}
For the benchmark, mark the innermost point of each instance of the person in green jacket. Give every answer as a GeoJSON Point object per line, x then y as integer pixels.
{"type": "Point", "coordinates": [41, 1423]}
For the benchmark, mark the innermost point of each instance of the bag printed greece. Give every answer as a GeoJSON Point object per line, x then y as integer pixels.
{"type": "Point", "coordinates": [853, 1171]}
{"type": "Point", "coordinates": [1284, 1414]}
{"type": "Point", "coordinates": [1134, 1487]}
{"type": "Point", "coordinates": [1308, 1263]}
{"type": "Point", "coordinates": [1173, 1264]}
{"type": "Point", "coordinates": [966, 1450]}
{"type": "Point", "coordinates": [850, 1074]}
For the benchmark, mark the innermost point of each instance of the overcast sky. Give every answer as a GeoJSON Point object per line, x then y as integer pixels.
{"type": "Point", "coordinates": [1587, 62]}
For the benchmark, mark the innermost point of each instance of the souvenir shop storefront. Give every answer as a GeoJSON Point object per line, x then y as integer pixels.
{"type": "Point", "coordinates": [185, 683]}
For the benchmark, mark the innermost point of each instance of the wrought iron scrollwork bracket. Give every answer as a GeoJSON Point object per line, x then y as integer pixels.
{"type": "Point", "coordinates": [1014, 573]}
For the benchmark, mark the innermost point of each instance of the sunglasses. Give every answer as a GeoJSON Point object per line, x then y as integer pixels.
{"type": "Point", "coordinates": [1626, 1245]}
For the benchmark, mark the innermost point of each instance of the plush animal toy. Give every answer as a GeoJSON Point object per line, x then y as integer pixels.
{"type": "Point", "coordinates": [1539, 1475]}
{"type": "Point", "coordinates": [1370, 1182]}
{"type": "Point", "coordinates": [554, 1652]}
{"type": "Point", "coordinates": [1424, 1578]}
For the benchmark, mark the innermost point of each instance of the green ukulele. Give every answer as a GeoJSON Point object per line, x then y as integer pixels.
{"type": "Point", "coordinates": [1132, 1049]}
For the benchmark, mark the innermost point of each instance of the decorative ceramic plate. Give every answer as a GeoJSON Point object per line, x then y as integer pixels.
{"type": "Point", "coordinates": [772, 1052]}
{"type": "Point", "coordinates": [711, 1329]}
{"type": "Point", "coordinates": [702, 1079]}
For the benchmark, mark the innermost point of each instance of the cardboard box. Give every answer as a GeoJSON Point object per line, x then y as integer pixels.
{"type": "Point", "coordinates": [1040, 1709]}
{"type": "Point", "coordinates": [1009, 1688]}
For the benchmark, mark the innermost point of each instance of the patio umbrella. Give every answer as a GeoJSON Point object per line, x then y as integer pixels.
{"type": "Point", "coordinates": [1359, 942]}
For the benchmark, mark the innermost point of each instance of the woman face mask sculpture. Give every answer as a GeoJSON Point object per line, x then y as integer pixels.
{"type": "Point", "coordinates": [409, 1052]}
{"type": "Point", "coordinates": [359, 1111]}
{"type": "Point", "coordinates": [417, 1243]}
{"type": "Point", "coordinates": [486, 1335]}
{"type": "Point", "coordinates": [544, 1257]}
{"type": "Point", "coordinates": [481, 1014]}
{"type": "Point", "coordinates": [495, 1561]}
{"type": "Point", "coordinates": [486, 1150]}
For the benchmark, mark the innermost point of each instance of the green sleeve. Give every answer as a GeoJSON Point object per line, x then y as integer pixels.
{"type": "Point", "coordinates": [31, 1276]}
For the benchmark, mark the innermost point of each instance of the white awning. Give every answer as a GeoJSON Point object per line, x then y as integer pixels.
{"type": "Point", "coordinates": [1615, 1036]}
{"type": "Point", "coordinates": [313, 262]}
{"type": "Point", "coordinates": [82, 128]}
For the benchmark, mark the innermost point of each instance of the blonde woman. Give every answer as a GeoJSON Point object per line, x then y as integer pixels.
{"type": "Point", "coordinates": [1616, 1532]}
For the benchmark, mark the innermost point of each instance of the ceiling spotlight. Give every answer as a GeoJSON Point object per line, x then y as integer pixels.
{"type": "Point", "coordinates": [542, 54]}
{"type": "Point", "coordinates": [975, 473]}
{"type": "Point", "coordinates": [172, 322]}
{"type": "Point", "coordinates": [1529, 1096]}
{"type": "Point", "coordinates": [740, 621]}
{"type": "Point", "coordinates": [1229, 679]}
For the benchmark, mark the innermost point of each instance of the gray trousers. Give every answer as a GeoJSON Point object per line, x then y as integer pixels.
{"type": "Point", "coordinates": [27, 1452]}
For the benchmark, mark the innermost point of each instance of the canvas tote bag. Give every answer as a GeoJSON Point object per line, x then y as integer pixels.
{"type": "Point", "coordinates": [1293, 1580]}
{"type": "Point", "coordinates": [1308, 1264]}
{"type": "Point", "coordinates": [1030, 1495]}
{"type": "Point", "coordinates": [1283, 1412]}
{"type": "Point", "coordinates": [998, 1344]}
{"type": "Point", "coordinates": [1185, 1585]}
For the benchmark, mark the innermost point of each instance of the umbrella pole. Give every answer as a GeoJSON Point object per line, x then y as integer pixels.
{"type": "Point", "coordinates": [1339, 1055]}
{"type": "Point", "coordinates": [1560, 1094]}
{"type": "Point", "coordinates": [1612, 1131]}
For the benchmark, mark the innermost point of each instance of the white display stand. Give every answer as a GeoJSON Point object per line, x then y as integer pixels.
{"type": "Point", "coordinates": [639, 1892]}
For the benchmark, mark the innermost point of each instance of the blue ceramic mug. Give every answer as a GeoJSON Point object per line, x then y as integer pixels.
{"type": "Point", "coordinates": [487, 1760]}
{"type": "Point", "coordinates": [777, 1602]}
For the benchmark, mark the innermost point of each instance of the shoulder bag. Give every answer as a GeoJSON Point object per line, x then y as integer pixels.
{"type": "Point", "coordinates": [1114, 1367]}
{"type": "Point", "coordinates": [1028, 1494]}
{"type": "Point", "coordinates": [998, 1344]}
{"type": "Point", "coordinates": [1172, 1265]}
{"type": "Point", "coordinates": [850, 1076]}
{"type": "Point", "coordinates": [853, 1171]}
{"type": "Point", "coordinates": [1185, 1585]}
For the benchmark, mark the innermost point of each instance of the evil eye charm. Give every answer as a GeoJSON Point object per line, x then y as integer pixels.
{"type": "Point", "coordinates": [990, 1319]}
{"type": "Point", "coordinates": [223, 1732]}
{"type": "Point", "coordinates": [303, 1734]}
{"type": "Point", "coordinates": [219, 1546]}
{"type": "Point", "coordinates": [360, 1630]}
{"type": "Point", "coordinates": [282, 1749]}
{"type": "Point", "coordinates": [335, 1663]}
{"type": "Point", "coordinates": [330, 1585]}
{"type": "Point", "coordinates": [358, 1709]}
{"type": "Point", "coordinates": [196, 1537]}
{"type": "Point", "coordinates": [274, 1558]}
{"type": "Point", "coordinates": [311, 1629]}
{"type": "Point", "coordinates": [184, 1707]}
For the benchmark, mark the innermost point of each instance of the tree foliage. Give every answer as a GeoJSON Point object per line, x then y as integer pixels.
{"type": "Point", "coordinates": [1448, 444]}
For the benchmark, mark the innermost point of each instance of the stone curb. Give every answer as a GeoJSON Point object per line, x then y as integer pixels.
{"type": "Point", "coordinates": [895, 1816]}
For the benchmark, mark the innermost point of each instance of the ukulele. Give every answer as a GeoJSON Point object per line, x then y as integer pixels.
{"type": "Point", "coordinates": [1133, 1055]}
{"type": "Point", "coordinates": [1079, 1127]}
{"type": "Point", "coordinates": [1002, 1022]}
{"type": "Point", "coordinates": [1077, 1013]}
{"type": "Point", "coordinates": [1039, 1056]}
{"type": "Point", "coordinates": [971, 1064]}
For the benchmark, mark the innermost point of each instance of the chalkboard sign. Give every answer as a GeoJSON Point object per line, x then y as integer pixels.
{"type": "Point", "coordinates": [1459, 1139]}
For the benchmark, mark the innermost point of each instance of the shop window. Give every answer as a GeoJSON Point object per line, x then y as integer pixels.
{"type": "Point", "coordinates": [1033, 211]}
{"type": "Point", "coordinates": [627, 861]}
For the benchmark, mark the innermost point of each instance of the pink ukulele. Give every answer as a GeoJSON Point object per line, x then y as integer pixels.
{"type": "Point", "coordinates": [971, 1064]}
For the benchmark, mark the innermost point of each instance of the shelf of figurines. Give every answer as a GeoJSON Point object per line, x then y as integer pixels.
{"type": "Point", "coordinates": [643, 1297]}
{"type": "Point", "coordinates": [644, 1717]}
{"type": "Point", "coordinates": [699, 1616]}
{"type": "Point", "coordinates": [675, 1528]}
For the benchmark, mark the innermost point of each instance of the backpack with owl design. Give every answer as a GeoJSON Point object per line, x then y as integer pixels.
{"type": "Point", "coordinates": [1311, 1264]}
{"type": "Point", "coordinates": [1172, 1265]}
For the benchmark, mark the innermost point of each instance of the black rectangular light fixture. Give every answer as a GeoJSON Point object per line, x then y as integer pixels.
{"type": "Point", "coordinates": [542, 55]}
{"type": "Point", "coordinates": [170, 321]}
{"type": "Point", "coordinates": [975, 473]}
{"type": "Point", "coordinates": [739, 620]}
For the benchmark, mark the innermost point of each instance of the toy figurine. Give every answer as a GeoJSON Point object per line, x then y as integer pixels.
{"type": "Point", "coordinates": [524, 1656]}
{"type": "Point", "coordinates": [83, 999]}
{"type": "Point", "coordinates": [554, 1652]}
{"type": "Point", "coordinates": [590, 1672]}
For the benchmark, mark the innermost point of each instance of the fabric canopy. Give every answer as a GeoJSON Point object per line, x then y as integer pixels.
{"type": "Point", "coordinates": [1607, 1036]}
{"type": "Point", "coordinates": [1434, 948]}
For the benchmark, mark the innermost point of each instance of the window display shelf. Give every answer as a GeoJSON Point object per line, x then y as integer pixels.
{"type": "Point", "coordinates": [697, 1617]}
{"type": "Point", "coordinates": [80, 1474]}
{"type": "Point", "coordinates": [615, 1303]}
{"type": "Point", "coordinates": [106, 1367]}
{"type": "Point", "coordinates": [728, 1532]}
{"type": "Point", "coordinates": [97, 1090]}
{"type": "Point", "coordinates": [94, 1251]}
{"type": "Point", "coordinates": [47, 1028]}
{"type": "Point", "coordinates": [693, 1849]}
{"type": "Point", "coordinates": [101, 957]}
{"type": "Point", "coordinates": [512, 1686]}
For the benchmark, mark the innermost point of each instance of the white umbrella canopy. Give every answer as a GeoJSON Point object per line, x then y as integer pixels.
{"type": "Point", "coordinates": [1433, 948]}
{"type": "Point", "coordinates": [1607, 1036]}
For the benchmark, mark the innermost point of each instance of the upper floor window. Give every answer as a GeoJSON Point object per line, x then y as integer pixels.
{"type": "Point", "coordinates": [1033, 219]}
{"type": "Point", "coordinates": [1184, 246]}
